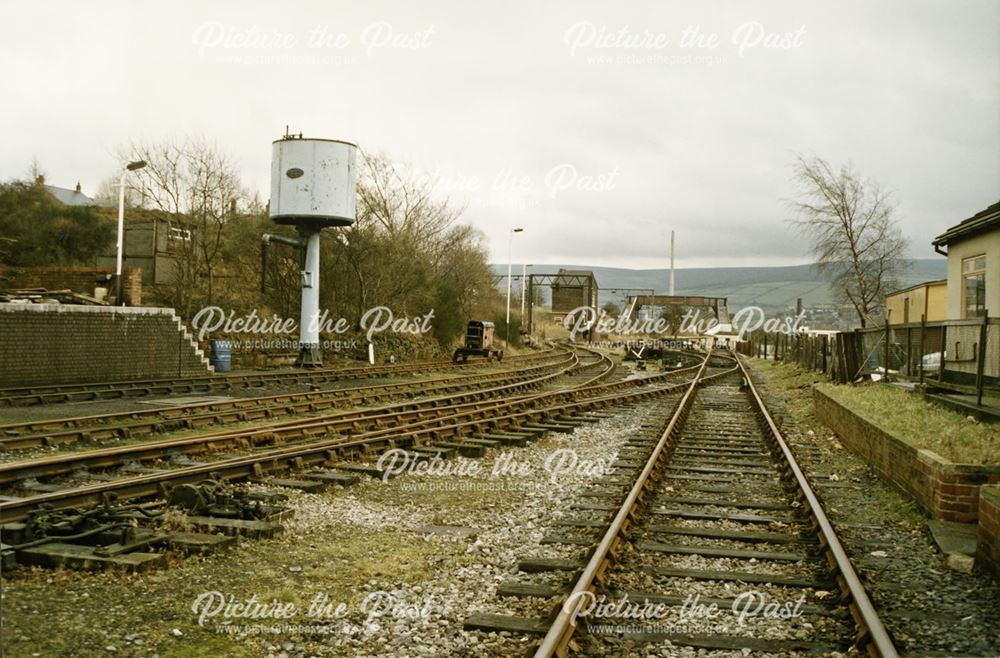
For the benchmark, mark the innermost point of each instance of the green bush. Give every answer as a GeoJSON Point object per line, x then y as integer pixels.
{"type": "Point", "coordinates": [500, 320]}
{"type": "Point", "coordinates": [38, 230]}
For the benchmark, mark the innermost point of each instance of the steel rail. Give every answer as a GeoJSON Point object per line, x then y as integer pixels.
{"type": "Point", "coordinates": [280, 459]}
{"type": "Point", "coordinates": [123, 424]}
{"type": "Point", "coordinates": [30, 395]}
{"type": "Point", "coordinates": [560, 633]}
{"type": "Point", "coordinates": [345, 420]}
{"type": "Point", "coordinates": [178, 410]}
{"type": "Point", "coordinates": [874, 636]}
{"type": "Point", "coordinates": [349, 421]}
{"type": "Point", "coordinates": [606, 361]}
{"type": "Point", "coordinates": [316, 453]}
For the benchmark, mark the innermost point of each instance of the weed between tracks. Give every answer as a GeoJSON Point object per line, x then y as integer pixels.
{"type": "Point", "coordinates": [788, 392]}
{"type": "Point", "coordinates": [346, 544]}
{"type": "Point", "coordinates": [70, 613]}
{"type": "Point", "coordinates": [929, 609]}
{"type": "Point", "coordinates": [919, 423]}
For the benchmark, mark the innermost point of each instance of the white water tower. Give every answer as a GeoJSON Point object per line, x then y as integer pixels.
{"type": "Point", "coordinates": [313, 186]}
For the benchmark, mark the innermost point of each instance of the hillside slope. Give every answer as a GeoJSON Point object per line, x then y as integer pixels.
{"type": "Point", "coordinates": [770, 287]}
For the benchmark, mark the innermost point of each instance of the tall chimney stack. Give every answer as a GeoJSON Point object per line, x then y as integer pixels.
{"type": "Point", "coordinates": [671, 263]}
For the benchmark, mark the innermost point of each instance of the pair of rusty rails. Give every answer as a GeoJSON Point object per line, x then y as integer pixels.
{"type": "Point", "coordinates": [480, 403]}
{"type": "Point", "coordinates": [343, 422]}
{"type": "Point", "coordinates": [32, 395]}
{"type": "Point", "coordinates": [128, 424]}
{"type": "Point", "coordinates": [471, 420]}
{"type": "Point", "coordinates": [872, 635]}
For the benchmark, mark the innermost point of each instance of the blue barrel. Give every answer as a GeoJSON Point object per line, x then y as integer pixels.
{"type": "Point", "coordinates": [222, 355]}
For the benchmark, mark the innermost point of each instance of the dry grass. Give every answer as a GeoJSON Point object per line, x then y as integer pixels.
{"type": "Point", "coordinates": [75, 613]}
{"type": "Point", "coordinates": [922, 424]}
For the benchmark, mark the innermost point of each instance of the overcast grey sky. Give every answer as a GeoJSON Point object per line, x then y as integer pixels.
{"type": "Point", "coordinates": [594, 125]}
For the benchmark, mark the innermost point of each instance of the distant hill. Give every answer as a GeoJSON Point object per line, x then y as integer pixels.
{"type": "Point", "coordinates": [769, 287]}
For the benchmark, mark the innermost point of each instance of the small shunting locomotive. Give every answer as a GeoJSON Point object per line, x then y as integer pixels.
{"type": "Point", "coordinates": [478, 342]}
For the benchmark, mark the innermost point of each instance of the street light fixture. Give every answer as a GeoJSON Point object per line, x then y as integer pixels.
{"type": "Point", "coordinates": [132, 166]}
{"type": "Point", "coordinates": [510, 243]}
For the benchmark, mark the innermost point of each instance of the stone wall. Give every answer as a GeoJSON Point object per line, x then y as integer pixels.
{"type": "Point", "coordinates": [42, 344]}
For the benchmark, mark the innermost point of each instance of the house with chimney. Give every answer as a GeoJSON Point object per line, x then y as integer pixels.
{"type": "Point", "coordinates": [72, 197]}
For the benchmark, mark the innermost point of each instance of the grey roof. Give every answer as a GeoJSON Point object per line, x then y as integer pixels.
{"type": "Point", "coordinates": [574, 279]}
{"type": "Point", "coordinates": [981, 222]}
{"type": "Point", "coordinates": [74, 198]}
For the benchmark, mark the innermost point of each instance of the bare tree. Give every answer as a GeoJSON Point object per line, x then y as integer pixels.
{"type": "Point", "coordinates": [407, 250]}
{"type": "Point", "coordinates": [464, 265]}
{"type": "Point", "coordinates": [401, 239]}
{"type": "Point", "coordinates": [402, 204]}
{"type": "Point", "coordinates": [197, 185]}
{"type": "Point", "coordinates": [35, 172]}
{"type": "Point", "coordinates": [214, 193]}
{"type": "Point", "coordinates": [852, 232]}
{"type": "Point", "coordinates": [107, 190]}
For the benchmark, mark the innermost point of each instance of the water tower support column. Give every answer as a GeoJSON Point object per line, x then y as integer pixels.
{"type": "Point", "coordinates": [313, 186]}
{"type": "Point", "coordinates": [309, 350]}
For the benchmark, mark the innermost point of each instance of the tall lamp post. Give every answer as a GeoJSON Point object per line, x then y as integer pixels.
{"type": "Point", "coordinates": [132, 166]}
{"type": "Point", "coordinates": [510, 244]}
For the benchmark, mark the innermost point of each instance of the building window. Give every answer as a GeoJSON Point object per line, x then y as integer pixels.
{"type": "Point", "coordinates": [181, 234]}
{"type": "Point", "coordinates": [974, 286]}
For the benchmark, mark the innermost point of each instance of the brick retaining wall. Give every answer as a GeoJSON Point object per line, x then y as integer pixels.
{"type": "Point", "coordinates": [44, 344]}
{"type": "Point", "coordinates": [946, 490]}
{"type": "Point", "coordinates": [988, 534]}
{"type": "Point", "coordinates": [78, 279]}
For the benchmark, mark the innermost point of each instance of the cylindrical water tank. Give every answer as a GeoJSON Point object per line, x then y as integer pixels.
{"type": "Point", "coordinates": [313, 182]}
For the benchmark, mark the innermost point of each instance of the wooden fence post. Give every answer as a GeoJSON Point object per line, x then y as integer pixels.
{"type": "Point", "coordinates": [887, 314]}
{"type": "Point", "coordinates": [909, 351]}
{"type": "Point", "coordinates": [944, 346]}
{"type": "Point", "coordinates": [981, 365]}
{"type": "Point", "coordinates": [923, 337]}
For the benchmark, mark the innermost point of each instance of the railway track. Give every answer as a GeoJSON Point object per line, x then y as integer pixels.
{"type": "Point", "coordinates": [34, 395]}
{"type": "Point", "coordinates": [705, 517]}
{"type": "Point", "coordinates": [463, 403]}
{"type": "Point", "coordinates": [134, 424]}
{"type": "Point", "coordinates": [343, 423]}
{"type": "Point", "coordinates": [439, 426]}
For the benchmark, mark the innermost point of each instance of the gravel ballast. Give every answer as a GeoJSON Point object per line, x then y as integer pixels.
{"type": "Point", "coordinates": [405, 589]}
{"type": "Point", "coordinates": [395, 568]}
{"type": "Point", "coordinates": [930, 609]}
